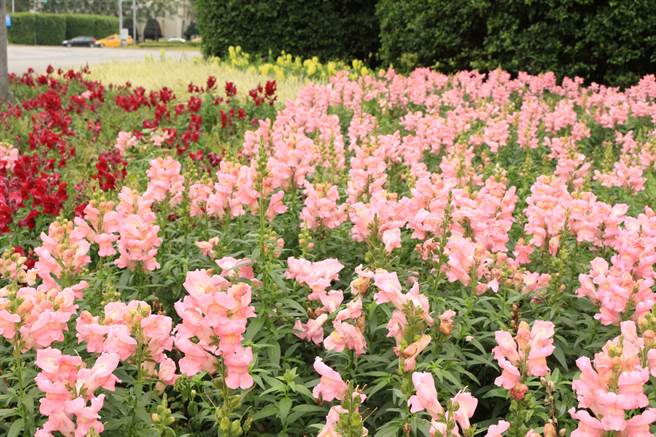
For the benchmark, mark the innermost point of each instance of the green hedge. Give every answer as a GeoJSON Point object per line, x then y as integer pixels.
{"type": "Point", "coordinates": [22, 30]}
{"type": "Point", "coordinates": [609, 41]}
{"type": "Point", "coordinates": [326, 28]}
{"type": "Point", "coordinates": [52, 29]}
{"type": "Point", "coordinates": [446, 34]}
{"type": "Point", "coordinates": [104, 26]}
{"type": "Point", "coordinates": [79, 25]}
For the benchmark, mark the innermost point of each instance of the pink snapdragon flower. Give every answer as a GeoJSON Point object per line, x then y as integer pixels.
{"type": "Point", "coordinates": [125, 141]}
{"type": "Point", "coordinates": [124, 329]}
{"type": "Point", "coordinates": [317, 276]}
{"type": "Point", "coordinates": [237, 268]}
{"type": "Point", "coordinates": [34, 318]}
{"type": "Point", "coordinates": [14, 267]}
{"type": "Point", "coordinates": [64, 252]}
{"type": "Point", "coordinates": [383, 214]}
{"type": "Point", "coordinates": [347, 325]}
{"type": "Point", "coordinates": [425, 398]}
{"type": "Point", "coordinates": [331, 386]}
{"type": "Point", "coordinates": [98, 227]}
{"type": "Point", "coordinates": [214, 317]}
{"type": "Point", "coordinates": [138, 243]}
{"type": "Point", "coordinates": [497, 429]}
{"type": "Point", "coordinates": [207, 247]}
{"type": "Point", "coordinates": [332, 419]}
{"type": "Point", "coordinates": [413, 305]}
{"type": "Point", "coordinates": [312, 330]}
{"type": "Point", "coordinates": [234, 191]}
{"type": "Point", "coordinates": [626, 284]}
{"type": "Point", "coordinates": [444, 423]}
{"type": "Point", "coordinates": [346, 336]}
{"type": "Point", "coordinates": [8, 156]}
{"type": "Point", "coordinates": [612, 384]}
{"type": "Point", "coordinates": [70, 404]}
{"type": "Point", "coordinates": [276, 205]}
{"type": "Point", "coordinates": [158, 137]}
{"type": "Point", "coordinates": [165, 183]}
{"type": "Point", "coordinates": [199, 194]}
{"type": "Point", "coordinates": [461, 253]}
{"type": "Point", "coordinates": [528, 350]}
{"type": "Point", "coordinates": [321, 207]}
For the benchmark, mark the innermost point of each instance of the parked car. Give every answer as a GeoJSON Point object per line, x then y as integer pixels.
{"type": "Point", "coordinates": [182, 40]}
{"type": "Point", "coordinates": [113, 41]}
{"type": "Point", "coordinates": [80, 41]}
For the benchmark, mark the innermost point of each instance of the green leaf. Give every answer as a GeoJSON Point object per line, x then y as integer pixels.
{"type": "Point", "coordinates": [253, 328]}
{"type": "Point", "coordinates": [284, 406]}
{"type": "Point", "coordinates": [560, 356]}
{"type": "Point", "coordinates": [16, 428]}
{"type": "Point", "coordinates": [267, 411]}
{"type": "Point", "coordinates": [390, 429]}
{"type": "Point", "coordinates": [7, 412]}
{"type": "Point", "coordinates": [274, 355]}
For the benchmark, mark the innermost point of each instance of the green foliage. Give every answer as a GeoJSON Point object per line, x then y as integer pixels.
{"type": "Point", "coordinates": [191, 31]}
{"type": "Point", "coordinates": [152, 30]}
{"type": "Point", "coordinates": [22, 29]}
{"type": "Point", "coordinates": [328, 29]}
{"type": "Point", "coordinates": [105, 7]}
{"type": "Point", "coordinates": [608, 42]}
{"type": "Point", "coordinates": [79, 25]}
{"type": "Point", "coordinates": [19, 5]}
{"type": "Point", "coordinates": [428, 32]}
{"type": "Point", "coordinates": [104, 26]}
{"type": "Point", "coordinates": [52, 29]}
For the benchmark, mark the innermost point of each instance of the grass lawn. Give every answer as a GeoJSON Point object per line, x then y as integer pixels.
{"type": "Point", "coordinates": [154, 73]}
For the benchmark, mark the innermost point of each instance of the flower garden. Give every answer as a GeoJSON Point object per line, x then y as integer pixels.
{"type": "Point", "coordinates": [383, 255]}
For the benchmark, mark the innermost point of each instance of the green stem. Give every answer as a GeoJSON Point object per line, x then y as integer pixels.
{"type": "Point", "coordinates": [18, 365]}
{"type": "Point", "coordinates": [138, 388]}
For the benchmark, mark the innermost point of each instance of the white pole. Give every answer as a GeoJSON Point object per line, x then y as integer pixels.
{"type": "Point", "coordinates": [120, 20]}
{"type": "Point", "coordinates": [13, 6]}
{"type": "Point", "coordinates": [134, 21]}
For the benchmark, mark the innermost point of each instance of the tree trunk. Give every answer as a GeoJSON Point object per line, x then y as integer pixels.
{"type": "Point", "coordinates": [4, 76]}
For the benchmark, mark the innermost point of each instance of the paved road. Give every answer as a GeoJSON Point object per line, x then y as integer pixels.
{"type": "Point", "coordinates": [39, 57]}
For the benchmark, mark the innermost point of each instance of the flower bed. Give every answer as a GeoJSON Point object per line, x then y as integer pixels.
{"type": "Point", "coordinates": [391, 255]}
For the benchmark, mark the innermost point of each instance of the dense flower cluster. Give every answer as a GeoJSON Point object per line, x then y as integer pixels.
{"type": "Point", "coordinates": [214, 316]}
{"type": "Point", "coordinates": [525, 355]}
{"type": "Point", "coordinates": [426, 254]}
{"type": "Point", "coordinates": [70, 402]}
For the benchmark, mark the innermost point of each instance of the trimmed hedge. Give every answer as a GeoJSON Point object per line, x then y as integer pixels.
{"type": "Point", "coordinates": [611, 42]}
{"type": "Point", "coordinates": [22, 30]}
{"type": "Point", "coordinates": [79, 25]}
{"type": "Point", "coordinates": [445, 34]}
{"type": "Point", "coordinates": [329, 29]}
{"type": "Point", "coordinates": [104, 25]}
{"type": "Point", "coordinates": [52, 29]}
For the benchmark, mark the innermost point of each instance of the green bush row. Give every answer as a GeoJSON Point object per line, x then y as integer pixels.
{"type": "Point", "coordinates": [329, 29]}
{"type": "Point", "coordinates": [610, 41]}
{"type": "Point", "coordinates": [52, 29]}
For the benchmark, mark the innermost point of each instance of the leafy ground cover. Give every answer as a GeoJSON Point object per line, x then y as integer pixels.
{"type": "Point", "coordinates": [382, 254]}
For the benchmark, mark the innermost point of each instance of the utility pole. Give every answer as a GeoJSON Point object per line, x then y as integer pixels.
{"type": "Point", "coordinates": [4, 74]}
{"type": "Point", "coordinates": [120, 20]}
{"type": "Point", "coordinates": [134, 21]}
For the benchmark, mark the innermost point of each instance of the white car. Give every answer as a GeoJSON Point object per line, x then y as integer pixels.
{"type": "Point", "coordinates": [176, 40]}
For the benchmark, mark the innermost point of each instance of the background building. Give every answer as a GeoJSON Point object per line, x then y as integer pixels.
{"type": "Point", "coordinates": [173, 16]}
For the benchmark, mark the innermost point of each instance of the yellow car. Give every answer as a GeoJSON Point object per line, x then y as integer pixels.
{"type": "Point", "coordinates": [113, 41]}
